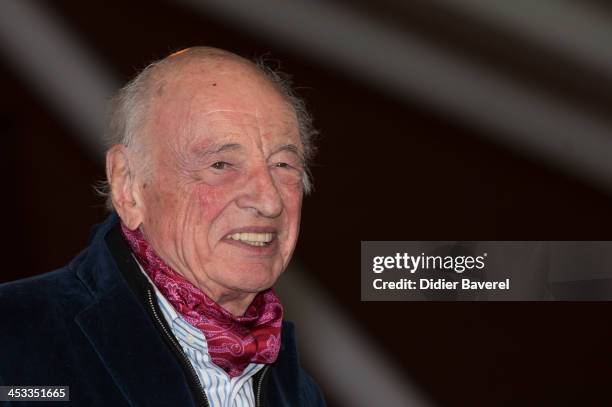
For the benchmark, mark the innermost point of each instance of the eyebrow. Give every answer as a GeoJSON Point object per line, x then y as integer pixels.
{"type": "Point", "coordinates": [215, 149]}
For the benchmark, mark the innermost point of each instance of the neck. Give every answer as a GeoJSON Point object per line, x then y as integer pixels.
{"type": "Point", "coordinates": [235, 305]}
{"type": "Point", "coordinates": [233, 301]}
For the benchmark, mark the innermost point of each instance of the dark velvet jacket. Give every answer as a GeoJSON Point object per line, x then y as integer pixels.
{"type": "Point", "coordinates": [93, 326]}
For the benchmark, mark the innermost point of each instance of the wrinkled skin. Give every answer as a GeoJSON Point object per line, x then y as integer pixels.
{"type": "Point", "coordinates": [226, 156]}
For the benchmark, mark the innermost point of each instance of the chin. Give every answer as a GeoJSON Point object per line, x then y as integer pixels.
{"type": "Point", "coordinates": [253, 281]}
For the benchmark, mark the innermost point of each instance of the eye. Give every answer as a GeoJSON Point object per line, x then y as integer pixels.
{"type": "Point", "coordinates": [282, 165]}
{"type": "Point", "coordinates": [221, 165]}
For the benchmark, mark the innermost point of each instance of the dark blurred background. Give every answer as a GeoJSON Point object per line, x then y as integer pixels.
{"type": "Point", "coordinates": [439, 120]}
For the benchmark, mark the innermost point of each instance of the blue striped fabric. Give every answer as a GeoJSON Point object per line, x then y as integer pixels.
{"type": "Point", "coordinates": [220, 389]}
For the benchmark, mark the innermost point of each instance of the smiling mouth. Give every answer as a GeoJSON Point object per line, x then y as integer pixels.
{"type": "Point", "coordinates": [253, 239]}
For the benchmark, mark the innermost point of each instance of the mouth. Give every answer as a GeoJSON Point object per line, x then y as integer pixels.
{"type": "Point", "coordinates": [254, 239]}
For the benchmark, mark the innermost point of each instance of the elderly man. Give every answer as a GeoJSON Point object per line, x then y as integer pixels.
{"type": "Point", "coordinates": [171, 303]}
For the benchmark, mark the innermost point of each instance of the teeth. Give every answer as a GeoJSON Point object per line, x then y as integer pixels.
{"type": "Point", "coordinates": [254, 239]}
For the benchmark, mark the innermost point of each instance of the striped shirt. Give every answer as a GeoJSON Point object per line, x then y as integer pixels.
{"type": "Point", "coordinates": [221, 391]}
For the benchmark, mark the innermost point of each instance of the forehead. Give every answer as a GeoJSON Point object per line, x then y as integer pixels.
{"type": "Point", "coordinates": [221, 99]}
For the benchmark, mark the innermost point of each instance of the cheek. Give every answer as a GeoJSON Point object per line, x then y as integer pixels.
{"type": "Point", "coordinates": [292, 200]}
{"type": "Point", "coordinates": [160, 197]}
{"type": "Point", "coordinates": [211, 202]}
{"type": "Point", "coordinates": [161, 205]}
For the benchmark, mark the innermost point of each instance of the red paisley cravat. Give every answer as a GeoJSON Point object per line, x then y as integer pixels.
{"type": "Point", "coordinates": [233, 342]}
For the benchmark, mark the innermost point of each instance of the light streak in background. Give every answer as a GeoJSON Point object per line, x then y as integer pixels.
{"type": "Point", "coordinates": [512, 114]}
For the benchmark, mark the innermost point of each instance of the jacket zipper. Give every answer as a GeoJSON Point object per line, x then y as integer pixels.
{"type": "Point", "coordinates": [259, 384]}
{"type": "Point", "coordinates": [194, 375]}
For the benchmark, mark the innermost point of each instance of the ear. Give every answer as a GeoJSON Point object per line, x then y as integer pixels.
{"type": "Point", "coordinates": [124, 189]}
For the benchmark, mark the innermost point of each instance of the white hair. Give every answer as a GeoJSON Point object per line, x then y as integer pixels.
{"type": "Point", "coordinates": [131, 104]}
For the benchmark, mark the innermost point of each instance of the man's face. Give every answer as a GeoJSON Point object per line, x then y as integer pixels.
{"type": "Point", "coordinates": [222, 205]}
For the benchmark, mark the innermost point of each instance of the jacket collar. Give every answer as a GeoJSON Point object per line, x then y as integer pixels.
{"type": "Point", "coordinates": [95, 266]}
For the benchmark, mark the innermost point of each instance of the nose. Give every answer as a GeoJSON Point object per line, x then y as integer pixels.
{"type": "Point", "coordinates": [261, 194]}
